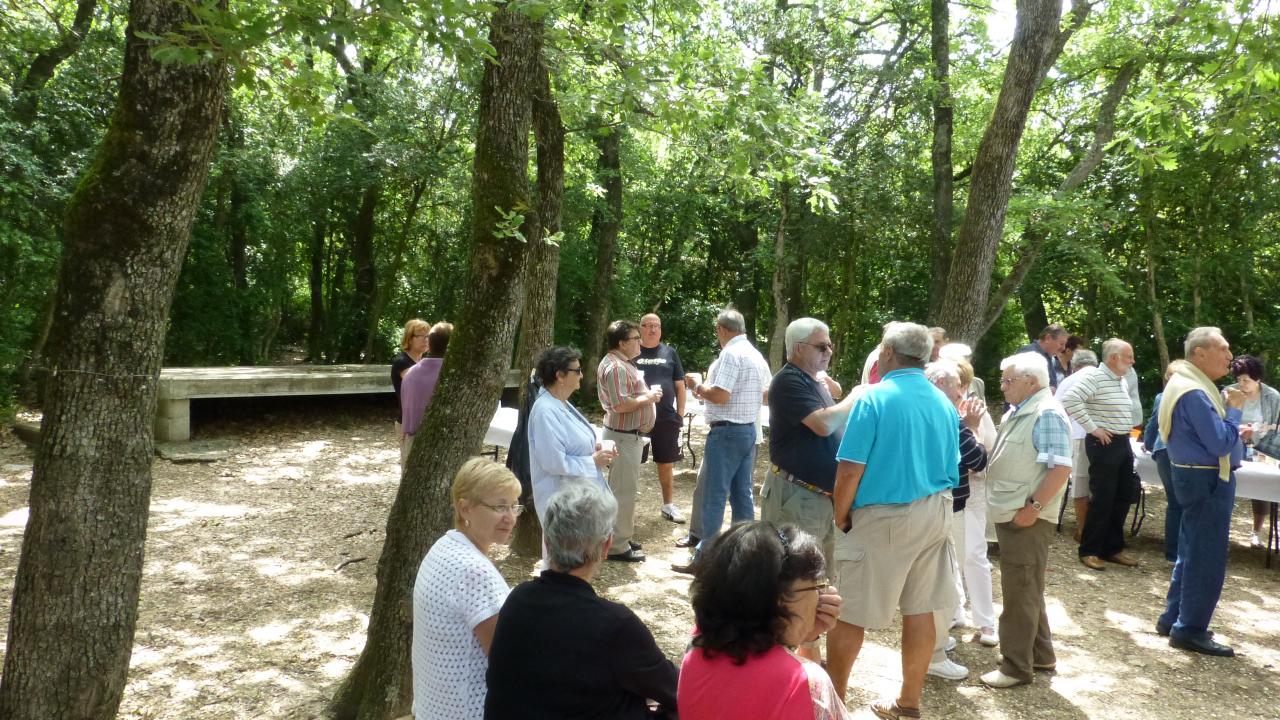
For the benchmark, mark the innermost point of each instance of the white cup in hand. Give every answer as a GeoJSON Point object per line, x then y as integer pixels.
{"type": "Point", "coordinates": [608, 446]}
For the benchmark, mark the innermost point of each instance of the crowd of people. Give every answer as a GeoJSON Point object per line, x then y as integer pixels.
{"type": "Point", "coordinates": [876, 503]}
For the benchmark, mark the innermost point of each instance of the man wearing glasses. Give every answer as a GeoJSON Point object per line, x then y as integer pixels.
{"type": "Point", "coordinates": [629, 413]}
{"type": "Point", "coordinates": [806, 424]}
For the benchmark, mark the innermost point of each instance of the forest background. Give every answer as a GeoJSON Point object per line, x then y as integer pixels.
{"type": "Point", "coordinates": [204, 182]}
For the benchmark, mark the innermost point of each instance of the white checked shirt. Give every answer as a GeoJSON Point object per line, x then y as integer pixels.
{"type": "Point", "coordinates": [741, 370]}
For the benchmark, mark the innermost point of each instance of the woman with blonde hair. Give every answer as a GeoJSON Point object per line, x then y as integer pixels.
{"type": "Point", "coordinates": [413, 343]}
{"type": "Point", "coordinates": [458, 593]}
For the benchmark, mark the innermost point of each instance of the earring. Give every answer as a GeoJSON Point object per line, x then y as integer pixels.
{"type": "Point", "coordinates": [466, 523]}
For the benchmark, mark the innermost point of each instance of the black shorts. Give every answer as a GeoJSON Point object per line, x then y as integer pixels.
{"type": "Point", "coordinates": [665, 439]}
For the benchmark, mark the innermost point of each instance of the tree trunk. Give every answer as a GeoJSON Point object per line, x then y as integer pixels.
{"type": "Point", "coordinates": [781, 310]}
{"type": "Point", "coordinates": [943, 174]}
{"type": "Point", "coordinates": [606, 223]}
{"type": "Point", "coordinates": [365, 271]}
{"type": "Point", "coordinates": [1157, 318]}
{"type": "Point", "coordinates": [1035, 40]}
{"type": "Point", "coordinates": [537, 324]}
{"type": "Point", "coordinates": [746, 298]}
{"type": "Point", "coordinates": [382, 291]}
{"type": "Point", "coordinates": [238, 237]}
{"type": "Point", "coordinates": [380, 685]}
{"type": "Point", "coordinates": [1034, 317]}
{"type": "Point", "coordinates": [26, 92]}
{"type": "Point", "coordinates": [75, 602]}
{"type": "Point", "coordinates": [315, 280]}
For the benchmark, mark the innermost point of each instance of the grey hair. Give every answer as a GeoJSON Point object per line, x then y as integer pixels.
{"type": "Point", "coordinates": [1112, 346]}
{"type": "Point", "coordinates": [800, 330]}
{"type": "Point", "coordinates": [1027, 364]}
{"type": "Point", "coordinates": [909, 340]}
{"type": "Point", "coordinates": [578, 518]}
{"type": "Point", "coordinates": [1083, 358]}
{"type": "Point", "coordinates": [939, 370]}
{"type": "Point", "coordinates": [1199, 337]}
{"type": "Point", "coordinates": [955, 351]}
{"type": "Point", "coordinates": [731, 320]}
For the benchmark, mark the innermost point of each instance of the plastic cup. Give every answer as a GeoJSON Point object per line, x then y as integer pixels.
{"type": "Point", "coordinates": [608, 446]}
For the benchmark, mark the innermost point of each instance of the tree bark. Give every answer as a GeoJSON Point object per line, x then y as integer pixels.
{"type": "Point", "coordinates": [746, 298]}
{"type": "Point", "coordinates": [537, 324]}
{"type": "Point", "coordinates": [365, 274]}
{"type": "Point", "coordinates": [26, 93]}
{"type": "Point", "coordinates": [1157, 318]}
{"type": "Point", "coordinates": [382, 290]}
{"type": "Point", "coordinates": [1036, 42]}
{"type": "Point", "coordinates": [781, 309]}
{"type": "Point", "coordinates": [315, 281]}
{"type": "Point", "coordinates": [75, 602]}
{"type": "Point", "coordinates": [940, 158]}
{"type": "Point", "coordinates": [606, 223]}
{"type": "Point", "coordinates": [379, 686]}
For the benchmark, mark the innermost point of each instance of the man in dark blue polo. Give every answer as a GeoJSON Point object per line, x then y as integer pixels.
{"type": "Point", "coordinates": [1202, 432]}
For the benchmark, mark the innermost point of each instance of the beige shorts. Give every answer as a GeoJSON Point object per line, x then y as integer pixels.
{"type": "Point", "coordinates": [785, 502]}
{"type": "Point", "coordinates": [896, 557]}
{"type": "Point", "coordinates": [1079, 470]}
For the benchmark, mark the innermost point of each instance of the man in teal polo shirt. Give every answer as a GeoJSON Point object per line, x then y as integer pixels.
{"type": "Point", "coordinates": [899, 459]}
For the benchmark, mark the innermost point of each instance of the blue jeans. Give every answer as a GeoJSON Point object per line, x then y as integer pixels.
{"type": "Point", "coordinates": [1202, 550]}
{"type": "Point", "coordinates": [727, 459]}
{"type": "Point", "coordinates": [1173, 509]}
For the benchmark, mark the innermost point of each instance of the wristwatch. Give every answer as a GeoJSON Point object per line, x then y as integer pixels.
{"type": "Point", "coordinates": [1032, 502]}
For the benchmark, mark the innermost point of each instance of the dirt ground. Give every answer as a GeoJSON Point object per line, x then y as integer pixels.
{"type": "Point", "coordinates": [246, 612]}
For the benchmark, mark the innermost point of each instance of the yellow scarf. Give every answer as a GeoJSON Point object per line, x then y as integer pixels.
{"type": "Point", "coordinates": [1189, 378]}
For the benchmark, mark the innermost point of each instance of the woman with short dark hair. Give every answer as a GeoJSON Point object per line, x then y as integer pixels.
{"type": "Point", "coordinates": [562, 442]}
{"type": "Point", "coordinates": [759, 592]}
{"type": "Point", "coordinates": [1261, 413]}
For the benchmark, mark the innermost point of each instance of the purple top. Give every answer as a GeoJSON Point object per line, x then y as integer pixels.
{"type": "Point", "coordinates": [1199, 436]}
{"type": "Point", "coordinates": [416, 391]}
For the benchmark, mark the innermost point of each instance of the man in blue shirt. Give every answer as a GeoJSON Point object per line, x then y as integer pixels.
{"type": "Point", "coordinates": [1203, 435]}
{"type": "Point", "coordinates": [899, 459]}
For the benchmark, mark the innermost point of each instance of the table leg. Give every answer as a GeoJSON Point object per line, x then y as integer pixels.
{"type": "Point", "coordinates": [1273, 542]}
{"type": "Point", "coordinates": [1066, 497]}
{"type": "Point", "coordinates": [688, 435]}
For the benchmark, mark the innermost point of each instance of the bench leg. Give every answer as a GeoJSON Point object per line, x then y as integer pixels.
{"type": "Point", "coordinates": [173, 420]}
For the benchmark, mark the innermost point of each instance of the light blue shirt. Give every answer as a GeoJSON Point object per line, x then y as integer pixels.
{"type": "Point", "coordinates": [904, 430]}
{"type": "Point", "coordinates": [561, 443]}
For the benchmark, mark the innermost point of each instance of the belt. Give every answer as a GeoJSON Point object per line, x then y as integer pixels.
{"type": "Point", "coordinates": [723, 423]}
{"type": "Point", "coordinates": [1195, 467]}
{"type": "Point", "coordinates": [624, 432]}
{"type": "Point", "coordinates": [798, 482]}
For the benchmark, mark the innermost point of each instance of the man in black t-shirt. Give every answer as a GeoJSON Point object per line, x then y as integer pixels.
{"type": "Point", "coordinates": [805, 426]}
{"type": "Point", "coordinates": [660, 364]}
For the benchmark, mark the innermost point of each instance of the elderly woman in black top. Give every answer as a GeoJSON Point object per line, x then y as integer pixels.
{"type": "Point", "coordinates": [559, 650]}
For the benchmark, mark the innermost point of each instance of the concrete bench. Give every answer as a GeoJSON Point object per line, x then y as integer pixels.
{"type": "Point", "coordinates": [179, 386]}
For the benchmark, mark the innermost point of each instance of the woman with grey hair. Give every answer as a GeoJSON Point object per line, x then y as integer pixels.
{"type": "Point", "coordinates": [561, 651]}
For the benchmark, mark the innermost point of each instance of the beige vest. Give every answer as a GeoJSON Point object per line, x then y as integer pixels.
{"type": "Point", "coordinates": [1012, 471]}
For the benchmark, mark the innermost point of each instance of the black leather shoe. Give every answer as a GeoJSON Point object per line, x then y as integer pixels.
{"type": "Point", "coordinates": [688, 541]}
{"type": "Point", "coordinates": [628, 556]}
{"type": "Point", "coordinates": [635, 545]}
{"type": "Point", "coordinates": [1163, 630]}
{"type": "Point", "coordinates": [1204, 646]}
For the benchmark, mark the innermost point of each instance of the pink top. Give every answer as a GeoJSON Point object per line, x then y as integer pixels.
{"type": "Point", "coordinates": [774, 686]}
{"type": "Point", "coordinates": [416, 391]}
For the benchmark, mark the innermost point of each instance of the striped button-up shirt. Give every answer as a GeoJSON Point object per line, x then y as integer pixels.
{"type": "Point", "coordinates": [741, 370]}
{"type": "Point", "coordinates": [618, 380]}
{"type": "Point", "coordinates": [1100, 399]}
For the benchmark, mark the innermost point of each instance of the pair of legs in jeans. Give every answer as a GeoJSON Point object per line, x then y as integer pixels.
{"type": "Point", "coordinates": [726, 477]}
{"type": "Point", "coordinates": [1201, 567]}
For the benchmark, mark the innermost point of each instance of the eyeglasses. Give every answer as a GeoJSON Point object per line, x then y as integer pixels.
{"type": "Point", "coordinates": [650, 325]}
{"type": "Point", "coordinates": [1008, 381]}
{"type": "Point", "coordinates": [633, 337]}
{"type": "Point", "coordinates": [822, 347]}
{"type": "Point", "coordinates": [514, 510]}
{"type": "Point", "coordinates": [416, 336]}
{"type": "Point", "coordinates": [819, 588]}
{"type": "Point", "coordinates": [577, 370]}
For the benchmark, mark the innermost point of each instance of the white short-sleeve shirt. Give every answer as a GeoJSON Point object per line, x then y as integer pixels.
{"type": "Point", "coordinates": [457, 588]}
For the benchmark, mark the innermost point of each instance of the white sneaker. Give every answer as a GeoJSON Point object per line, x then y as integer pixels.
{"type": "Point", "coordinates": [672, 513]}
{"type": "Point", "coordinates": [997, 679]}
{"type": "Point", "coordinates": [1255, 541]}
{"type": "Point", "coordinates": [951, 644]}
{"type": "Point", "coordinates": [988, 637]}
{"type": "Point", "coordinates": [948, 670]}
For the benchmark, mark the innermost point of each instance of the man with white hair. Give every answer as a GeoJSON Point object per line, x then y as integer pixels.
{"type": "Point", "coordinates": [733, 392]}
{"type": "Point", "coordinates": [806, 424]}
{"type": "Point", "coordinates": [1203, 436]}
{"type": "Point", "coordinates": [898, 460]}
{"type": "Point", "coordinates": [1027, 472]}
{"type": "Point", "coordinates": [1081, 359]}
{"type": "Point", "coordinates": [1101, 403]}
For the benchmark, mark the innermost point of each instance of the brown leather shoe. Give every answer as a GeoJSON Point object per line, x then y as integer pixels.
{"type": "Point", "coordinates": [1122, 559]}
{"type": "Point", "coordinates": [1093, 562]}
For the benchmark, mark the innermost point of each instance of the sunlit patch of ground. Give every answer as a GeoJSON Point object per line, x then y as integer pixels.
{"type": "Point", "coordinates": [243, 614]}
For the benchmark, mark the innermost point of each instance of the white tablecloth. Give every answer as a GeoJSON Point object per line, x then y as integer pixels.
{"type": "Point", "coordinates": [1257, 481]}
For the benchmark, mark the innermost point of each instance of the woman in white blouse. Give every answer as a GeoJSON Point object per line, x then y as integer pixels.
{"type": "Point", "coordinates": [458, 593]}
{"type": "Point", "coordinates": [562, 444]}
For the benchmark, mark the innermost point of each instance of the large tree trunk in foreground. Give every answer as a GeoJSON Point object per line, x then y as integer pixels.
{"type": "Point", "coordinates": [537, 324]}
{"type": "Point", "coordinates": [380, 685]}
{"type": "Point", "coordinates": [940, 157]}
{"type": "Point", "coordinates": [606, 223]}
{"type": "Point", "coordinates": [1036, 42]}
{"type": "Point", "coordinates": [75, 602]}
